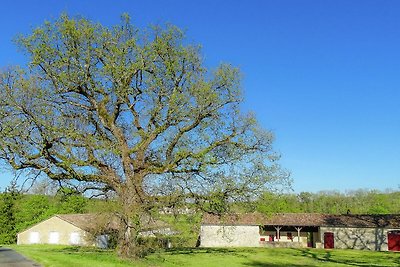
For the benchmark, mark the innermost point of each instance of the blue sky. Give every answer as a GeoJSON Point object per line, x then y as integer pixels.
{"type": "Point", "coordinates": [324, 76]}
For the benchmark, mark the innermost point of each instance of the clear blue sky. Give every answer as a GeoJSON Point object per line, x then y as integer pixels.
{"type": "Point", "coordinates": [323, 75]}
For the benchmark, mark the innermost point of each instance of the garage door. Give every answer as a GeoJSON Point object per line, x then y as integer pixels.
{"type": "Point", "coordinates": [394, 241]}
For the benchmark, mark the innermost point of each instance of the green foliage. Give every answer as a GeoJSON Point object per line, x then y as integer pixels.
{"type": "Point", "coordinates": [33, 209]}
{"type": "Point", "coordinates": [8, 217]}
{"type": "Point", "coordinates": [272, 203]}
{"type": "Point", "coordinates": [356, 202]}
{"type": "Point", "coordinates": [74, 204]}
{"type": "Point", "coordinates": [187, 227]}
{"type": "Point", "coordinates": [71, 201]}
{"type": "Point", "coordinates": [65, 256]}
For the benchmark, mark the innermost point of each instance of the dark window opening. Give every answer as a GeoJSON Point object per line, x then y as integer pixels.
{"type": "Point", "coordinates": [289, 236]}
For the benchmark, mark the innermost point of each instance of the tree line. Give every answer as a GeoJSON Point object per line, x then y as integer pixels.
{"type": "Point", "coordinates": [331, 202]}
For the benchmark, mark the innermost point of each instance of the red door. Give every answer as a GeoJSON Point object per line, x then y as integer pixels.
{"type": "Point", "coordinates": [329, 240]}
{"type": "Point", "coordinates": [394, 241]}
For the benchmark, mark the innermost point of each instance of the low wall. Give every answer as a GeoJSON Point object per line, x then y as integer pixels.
{"type": "Point", "coordinates": [275, 244]}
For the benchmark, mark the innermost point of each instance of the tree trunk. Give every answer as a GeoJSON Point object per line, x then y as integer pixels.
{"type": "Point", "coordinates": [128, 246]}
{"type": "Point", "coordinates": [130, 225]}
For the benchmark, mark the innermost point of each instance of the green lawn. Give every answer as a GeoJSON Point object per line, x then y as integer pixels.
{"type": "Point", "coordinates": [251, 257]}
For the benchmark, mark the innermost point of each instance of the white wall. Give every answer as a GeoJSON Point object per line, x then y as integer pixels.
{"type": "Point", "coordinates": [229, 236]}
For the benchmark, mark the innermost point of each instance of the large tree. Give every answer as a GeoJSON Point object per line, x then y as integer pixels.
{"type": "Point", "coordinates": [134, 112]}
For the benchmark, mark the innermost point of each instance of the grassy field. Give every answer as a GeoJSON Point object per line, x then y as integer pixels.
{"type": "Point", "coordinates": [59, 256]}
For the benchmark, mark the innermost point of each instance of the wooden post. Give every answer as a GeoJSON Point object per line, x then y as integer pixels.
{"type": "Point", "coordinates": [278, 228]}
{"type": "Point", "coordinates": [298, 233]}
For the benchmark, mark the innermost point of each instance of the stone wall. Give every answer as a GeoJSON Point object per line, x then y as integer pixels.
{"type": "Point", "coordinates": [283, 244]}
{"type": "Point", "coordinates": [229, 236]}
{"type": "Point", "coordinates": [357, 238]}
{"type": "Point", "coordinates": [249, 236]}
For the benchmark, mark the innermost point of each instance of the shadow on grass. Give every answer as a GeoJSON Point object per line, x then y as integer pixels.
{"type": "Point", "coordinates": [263, 264]}
{"type": "Point", "coordinates": [325, 256]}
{"type": "Point", "coordinates": [318, 256]}
{"type": "Point", "coordinates": [329, 256]}
{"type": "Point", "coordinates": [236, 252]}
{"type": "Point", "coordinates": [74, 249]}
{"type": "Point", "coordinates": [175, 251]}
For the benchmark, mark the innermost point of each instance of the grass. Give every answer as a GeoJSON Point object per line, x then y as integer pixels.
{"type": "Point", "coordinates": [59, 256]}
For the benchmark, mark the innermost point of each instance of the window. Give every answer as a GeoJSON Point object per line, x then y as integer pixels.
{"type": "Point", "coordinates": [289, 236]}
{"type": "Point", "coordinates": [263, 230]}
{"type": "Point", "coordinates": [34, 238]}
{"type": "Point", "coordinates": [54, 237]}
{"type": "Point", "coordinates": [102, 241]}
{"type": "Point", "coordinates": [271, 238]}
{"type": "Point", "coordinates": [75, 238]}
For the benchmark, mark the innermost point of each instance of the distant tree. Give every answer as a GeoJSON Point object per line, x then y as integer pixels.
{"type": "Point", "coordinates": [331, 202]}
{"type": "Point", "coordinates": [43, 187]}
{"type": "Point", "coordinates": [8, 199]}
{"type": "Point", "coordinates": [306, 201]}
{"type": "Point", "coordinates": [33, 209]}
{"type": "Point", "coordinates": [71, 201]}
{"type": "Point", "coordinates": [270, 203]}
{"type": "Point", "coordinates": [133, 112]}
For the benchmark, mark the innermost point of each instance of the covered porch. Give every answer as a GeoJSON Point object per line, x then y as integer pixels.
{"type": "Point", "coordinates": [289, 236]}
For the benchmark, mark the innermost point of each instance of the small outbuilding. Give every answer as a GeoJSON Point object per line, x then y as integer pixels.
{"type": "Point", "coordinates": [66, 229]}
{"type": "Point", "coordinates": [85, 230]}
{"type": "Point", "coordinates": [370, 232]}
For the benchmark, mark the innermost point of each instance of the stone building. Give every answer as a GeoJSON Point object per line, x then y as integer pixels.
{"type": "Point", "coordinates": [370, 232]}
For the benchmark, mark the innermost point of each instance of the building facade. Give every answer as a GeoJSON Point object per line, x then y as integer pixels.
{"type": "Point", "coordinates": [369, 232]}
{"type": "Point", "coordinates": [86, 230]}
{"type": "Point", "coordinates": [60, 229]}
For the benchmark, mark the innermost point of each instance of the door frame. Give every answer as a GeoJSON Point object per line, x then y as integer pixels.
{"type": "Point", "coordinates": [329, 240]}
{"type": "Point", "coordinates": [396, 245]}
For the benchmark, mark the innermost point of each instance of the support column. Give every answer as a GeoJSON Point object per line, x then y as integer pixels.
{"type": "Point", "coordinates": [278, 228]}
{"type": "Point", "coordinates": [298, 233]}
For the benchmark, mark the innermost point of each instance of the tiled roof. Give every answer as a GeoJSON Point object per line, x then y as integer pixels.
{"type": "Point", "coordinates": [363, 220]}
{"type": "Point", "coordinates": [306, 219]}
{"type": "Point", "coordinates": [92, 221]}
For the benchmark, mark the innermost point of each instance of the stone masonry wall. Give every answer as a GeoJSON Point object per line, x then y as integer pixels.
{"type": "Point", "coordinates": [229, 236]}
